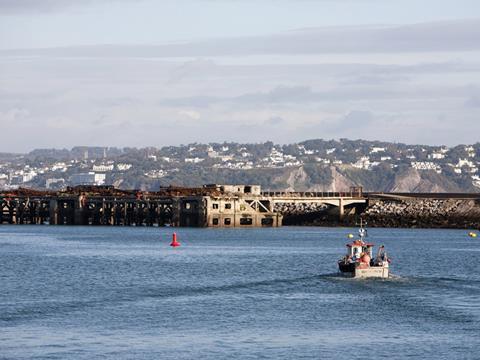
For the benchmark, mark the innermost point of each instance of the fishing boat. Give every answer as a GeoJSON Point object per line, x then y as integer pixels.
{"type": "Point", "coordinates": [359, 261]}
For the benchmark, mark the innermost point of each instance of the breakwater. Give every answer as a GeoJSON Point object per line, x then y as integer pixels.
{"type": "Point", "coordinates": [424, 213]}
{"type": "Point", "coordinates": [407, 213]}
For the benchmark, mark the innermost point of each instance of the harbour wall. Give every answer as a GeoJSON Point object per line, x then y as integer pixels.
{"type": "Point", "coordinates": [396, 213]}
{"type": "Point", "coordinates": [426, 213]}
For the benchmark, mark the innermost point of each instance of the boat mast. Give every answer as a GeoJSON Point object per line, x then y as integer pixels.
{"type": "Point", "coordinates": [362, 232]}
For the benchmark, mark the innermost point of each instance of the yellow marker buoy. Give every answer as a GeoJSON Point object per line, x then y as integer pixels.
{"type": "Point", "coordinates": [350, 236]}
{"type": "Point", "coordinates": [472, 234]}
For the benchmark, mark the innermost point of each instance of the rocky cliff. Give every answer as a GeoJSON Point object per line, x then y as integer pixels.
{"type": "Point", "coordinates": [341, 178]}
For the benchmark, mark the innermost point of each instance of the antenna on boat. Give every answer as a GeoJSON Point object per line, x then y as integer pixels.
{"type": "Point", "coordinates": [362, 232]}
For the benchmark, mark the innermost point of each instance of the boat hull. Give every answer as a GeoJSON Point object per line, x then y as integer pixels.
{"type": "Point", "coordinates": [354, 271]}
{"type": "Point", "coordinates": [372, 272]}
{"type": "Point", "coordinates": [346, 267]}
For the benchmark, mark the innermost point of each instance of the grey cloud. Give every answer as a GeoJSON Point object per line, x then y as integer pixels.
{"type": "Point", "coordinates": [380, 97]}
{"type": "Point", "coordinates": [193, 101]}
{"type": "Point", "coordinates": [116, 101]}
{"type": "Point", "coordinates": [189, 68]}
{"type": "Point", "coordinates": [374, 79]}
{"type": "Point", "coordinates": [473, 102]}
{"type": "Point", "coordinates": [274, 120]}
{"type": "Point", "coordinates": [280, 94]}
{"type": "Point", "coordinates": [354, 124]}
{"type": "Point", "coordinates": [355, 120]}
{"type": "Point", "coordinates": [461, 35]}
{"type": "Point", "coordinates": [290, 95]}
{"type": "Point", "coordinates": [32, 6]}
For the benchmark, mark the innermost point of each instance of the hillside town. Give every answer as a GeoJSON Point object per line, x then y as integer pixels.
{"type": "Point", "coordinates": [151, 167]}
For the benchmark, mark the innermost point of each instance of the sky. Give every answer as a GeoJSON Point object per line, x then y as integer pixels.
{"type": "Point", "coordinates": [155, 73]}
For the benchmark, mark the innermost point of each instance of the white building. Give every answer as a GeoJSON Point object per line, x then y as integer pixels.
{"type": "Point", "coordinates": [194, 160]}
{"type": "Point", "coordinates": [59, 166]}
{"type": "Point", "coordinates": [322, 160]}
{"type": "Point", "coordinates": [102, 168]}
{"type": "Point", "coordinates": [436, 155]}
{"type": "Point", "coordinates": [363, 163]}
{"type": "Point", "coordinates": [226, 158]}
{"type": "Point", "coordinates": [377, 150]}
{"type": "Point", "coordinates": [470, 151]}
{"type": "Point", "coordinates": [276, 157]}
{"type": "Point", "coordinates": [476, 180]}
{"type": "Point", "coordinates": [156, 174]}
{"type": "Point", "coordinates": [123, 167]}
{"type": "Point", "coordinates": [465, 162]}
{"type": "Point", "coordinates": [293, 163]}
{"type": "Point", "coordinates": [426, 165]}
{"type": "Point", "coordinates": [29, 176]}
{"type": "Point", "coordinates": [89, 178]}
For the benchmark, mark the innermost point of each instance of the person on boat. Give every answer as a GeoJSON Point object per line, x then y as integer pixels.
{"type": "Point", "coordinates": [381, 255]}
{"type": "Point", "coordinates": [355, 254]}
{"type": "Point", "coordinates": [347, 259]}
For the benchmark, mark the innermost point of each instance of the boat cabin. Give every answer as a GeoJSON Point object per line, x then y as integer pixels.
{"type": "Point", "coordinates": [356, 248]}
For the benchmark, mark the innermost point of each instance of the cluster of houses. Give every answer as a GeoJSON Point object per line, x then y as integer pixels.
{"type": "Point", "coordinates": [59, 174]}
{"type": "Point", "coordinates": [97, 171]}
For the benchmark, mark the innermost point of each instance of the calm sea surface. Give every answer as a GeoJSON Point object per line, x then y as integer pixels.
{"type": "Point", "coordinates": [123, 293]}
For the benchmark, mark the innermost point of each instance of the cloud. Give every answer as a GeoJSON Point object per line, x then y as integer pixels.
{"type": "Point", "coordinates": [191, 114]}
{"type": "Point", "coordinates": [116, 101]}
{"type": "Point", "coordinates": [13, 115]}
{"type": "Point", "coordinates": [63, 123]}
{"type": "Point", "coordinates": [356, 119]}
{"type": "Point", "coordinates": [473, 102]}
{"type": "Point", "coordinates": [33, 6]}
{"type": "Point", "coordinates": [274, 120]}
{"type": "Point", "coordinates": [460, 35]}
{"type": "Point", "coordinates": [286, 95]}
{"type": "Point", "coordinates": [190, 68]}
{"type": "Point", "coordinates": [280, 94]}
{"type": "Point", "coordinates": [172, 101]}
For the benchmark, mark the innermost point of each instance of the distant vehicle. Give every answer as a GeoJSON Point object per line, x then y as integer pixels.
{"type": "Point", "coordinates": [359, 261]}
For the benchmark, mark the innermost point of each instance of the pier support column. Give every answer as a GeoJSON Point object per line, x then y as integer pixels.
{"type": "Point", "coordinates": [53, 209]}
{"type": "Point", "coordinates": [81, 211]}
{"type": "Point", "coordinates": [176, 212]}
{"type": "Point", "coordinates": [341, 209]}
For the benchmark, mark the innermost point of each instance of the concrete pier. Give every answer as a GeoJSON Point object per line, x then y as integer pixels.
{"type": "Point", "coordinates": [208, 206]}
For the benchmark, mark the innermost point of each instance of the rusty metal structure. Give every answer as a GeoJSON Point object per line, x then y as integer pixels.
{"type": "Point", "coordinates": [208, 206]}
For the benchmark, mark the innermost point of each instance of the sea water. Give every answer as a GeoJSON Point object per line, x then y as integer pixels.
{"type": "Point", "coordinates": [123, 293]}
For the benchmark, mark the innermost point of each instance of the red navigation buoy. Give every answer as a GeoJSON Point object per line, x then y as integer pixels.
{"type": "Point", "coordinates": [174, 242]}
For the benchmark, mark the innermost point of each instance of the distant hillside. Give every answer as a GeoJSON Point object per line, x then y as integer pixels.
{"type": "Point", "coordinates": [316, 165]}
